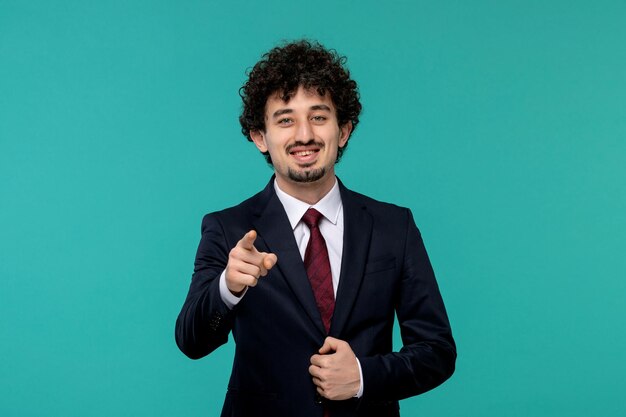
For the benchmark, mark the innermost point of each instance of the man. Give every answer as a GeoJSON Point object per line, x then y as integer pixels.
{"type": "Point", "coordinates": [307, 274]}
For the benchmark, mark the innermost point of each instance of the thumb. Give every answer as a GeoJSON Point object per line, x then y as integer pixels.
{"type": "Point", "coordinates": [330, 345]}
{"type": "Point", "coordinates": [269, 261]}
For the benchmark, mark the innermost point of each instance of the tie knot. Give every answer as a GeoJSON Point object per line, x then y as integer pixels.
{"type": "Point", "coordinates": [311, 218]}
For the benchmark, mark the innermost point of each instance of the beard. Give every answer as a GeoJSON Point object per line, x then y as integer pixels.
{"type": "Point", "coordinates": [306, 176]}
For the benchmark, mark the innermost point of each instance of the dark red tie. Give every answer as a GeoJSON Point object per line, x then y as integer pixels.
{"type": "Point", "coordinates": [318, 267]}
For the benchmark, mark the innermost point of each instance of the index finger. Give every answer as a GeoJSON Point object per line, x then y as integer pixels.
{"type": "Point", "coordinates": [318, 360]}
{"type": "Point", "coordinates": [247, 241]}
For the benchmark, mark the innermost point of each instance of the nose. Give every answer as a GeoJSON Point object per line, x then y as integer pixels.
{"type": "Point", "coordinates": [304, 133]}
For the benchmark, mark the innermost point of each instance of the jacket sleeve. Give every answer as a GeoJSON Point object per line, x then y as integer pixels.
{"type": "Point", "coordinates": [428, 355]}
{"type": "Point", "coordinates": [205, 321]}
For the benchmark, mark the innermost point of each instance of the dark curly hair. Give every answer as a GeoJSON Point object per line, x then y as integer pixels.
{"type": "Point", "coordinates": [284, 69]}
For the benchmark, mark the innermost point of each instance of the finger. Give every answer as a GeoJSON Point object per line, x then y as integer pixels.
{"type": "Point", "coordinates": [319, 361]}
{"type": "Point", "coordinates": [248, 269]}
{"type": "Point", "coordinates": [317, 382]}
{"type": "Point", "coordinates": [263, 264]}
{"type": "Point", "coordinates": [330, 345]}
{"type": "Point", "coordinates": [264, 261]}
{"type": "Point", "coordinates": [269, 260]}
{"type": "Point", "coordinates": [249, 256]}
{"type": "Point", "coordinates": [314, 370]}
{"type": "Point", "coordinates": [246, 280]}
{"type": "Point", "coordinates": [247, 241]}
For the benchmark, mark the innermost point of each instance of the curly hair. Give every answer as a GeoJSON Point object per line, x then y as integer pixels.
{"type": "Point", "coordinates": [284, 69]}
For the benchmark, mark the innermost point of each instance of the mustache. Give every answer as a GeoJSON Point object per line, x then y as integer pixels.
{"type": "Point", "coordinates": [309, 143]}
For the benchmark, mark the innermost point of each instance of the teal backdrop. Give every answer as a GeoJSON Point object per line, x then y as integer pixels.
{"type": "Point", "coordinates": [502, 125]}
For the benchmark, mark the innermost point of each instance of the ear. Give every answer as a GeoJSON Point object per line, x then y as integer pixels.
{"type": "Point", "coordinates": [344, 134]}
{"type": "Point", "coordinates": [258, 138]}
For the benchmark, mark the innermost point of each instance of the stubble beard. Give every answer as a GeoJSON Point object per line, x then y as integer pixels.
{"type": "Point", "coordinates": [306, 175]}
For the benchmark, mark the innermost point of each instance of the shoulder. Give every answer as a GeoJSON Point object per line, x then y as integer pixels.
{"type": "Point", "coordinates": [387, 218]}
{"type": "Point", "coordinates": [373, 206]}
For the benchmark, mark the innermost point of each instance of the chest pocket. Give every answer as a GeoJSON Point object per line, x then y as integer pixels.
{"type": "Point", "coordinates": [380, 264]}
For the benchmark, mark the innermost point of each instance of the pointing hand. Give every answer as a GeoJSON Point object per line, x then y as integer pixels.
{"type": "Point", "coordinates": [246, 264]}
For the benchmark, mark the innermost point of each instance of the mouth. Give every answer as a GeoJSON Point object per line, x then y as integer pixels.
{"type": "Point", "coordinates": [305, 154]}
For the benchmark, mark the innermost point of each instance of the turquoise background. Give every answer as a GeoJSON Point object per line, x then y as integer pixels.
{"type": "Point", "coordinates": [502, 125]}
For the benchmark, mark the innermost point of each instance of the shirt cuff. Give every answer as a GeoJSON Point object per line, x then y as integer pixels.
{"type": "Point", "coordinates": [360, 393]}
{"type": "Point", "coordinates": [232, 300]}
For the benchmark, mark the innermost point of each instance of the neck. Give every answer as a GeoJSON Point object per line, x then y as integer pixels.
{"type": "Point", "coordinates": [309, 192]}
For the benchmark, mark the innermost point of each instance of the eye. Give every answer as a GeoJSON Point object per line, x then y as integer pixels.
{"type": "Point", "coordinates": [318, 118]}
{"type": "Point", "coordinates": [285, 121]}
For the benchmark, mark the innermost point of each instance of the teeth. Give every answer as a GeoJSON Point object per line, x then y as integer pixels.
{"type": "Point", "coordinates": [304, 153]}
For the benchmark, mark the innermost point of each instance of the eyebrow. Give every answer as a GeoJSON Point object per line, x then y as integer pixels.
{"type": "Point", "coordinates": [320, 107]}
{"type": "Point", "coordinates": [280, 112]}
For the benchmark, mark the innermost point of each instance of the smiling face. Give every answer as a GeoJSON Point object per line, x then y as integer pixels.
{"type": "Point", "coordinates": [302, 137]}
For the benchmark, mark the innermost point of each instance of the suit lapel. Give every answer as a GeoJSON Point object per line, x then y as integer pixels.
{"type": "Point", "coordinates": [273, 227]}
{"type": "Point", "coordinates": [356, 240]}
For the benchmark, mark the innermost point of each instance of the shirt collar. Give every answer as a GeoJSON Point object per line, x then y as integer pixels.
{"type": "Point", "coordinates": [329, 205]}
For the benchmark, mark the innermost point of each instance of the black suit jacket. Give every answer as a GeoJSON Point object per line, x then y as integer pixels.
{"type": "Point", "coordinates": [276, 327]}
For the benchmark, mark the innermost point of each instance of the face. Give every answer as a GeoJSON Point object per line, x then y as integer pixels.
{"type": "Point", "coordinates": [302, 138]}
